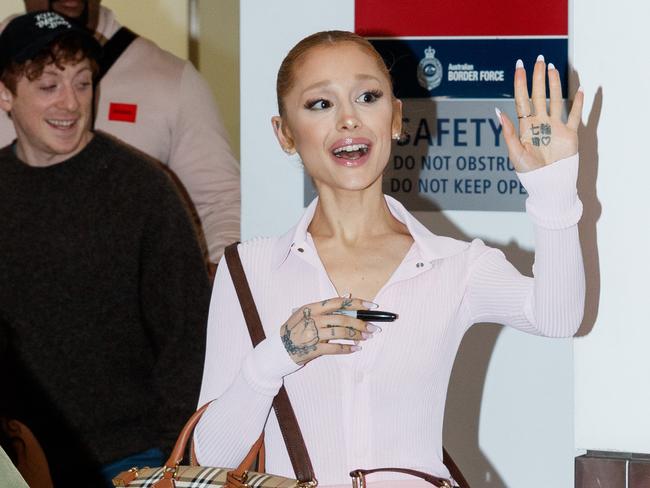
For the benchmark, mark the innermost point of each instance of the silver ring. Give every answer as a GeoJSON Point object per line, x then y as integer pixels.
{"type": "Point", "coordinates": [525, 116]}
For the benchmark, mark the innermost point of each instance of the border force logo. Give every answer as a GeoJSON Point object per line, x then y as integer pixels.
{"type": "Point", "coordinates": [429, 70]}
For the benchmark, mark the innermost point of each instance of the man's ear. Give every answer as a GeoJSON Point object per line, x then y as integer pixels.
{"type": "Point", "coordinates": [283, 134]}
{"type": "Point", "coordinates": [6, 98]}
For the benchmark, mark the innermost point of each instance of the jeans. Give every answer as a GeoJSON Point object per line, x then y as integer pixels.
{"type": "Point", "coordinates": [152, 457]}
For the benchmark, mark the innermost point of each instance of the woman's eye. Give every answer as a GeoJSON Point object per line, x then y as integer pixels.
{"type": "Point", "coordinates": [319, 104]}
{"type": "Point", "coordinates": [47, 88]}
{"type": "Point", "coordinates": [370, 96]}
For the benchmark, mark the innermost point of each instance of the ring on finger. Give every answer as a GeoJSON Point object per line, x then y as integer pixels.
{"type": "Point", "coordinates": [525, 116]}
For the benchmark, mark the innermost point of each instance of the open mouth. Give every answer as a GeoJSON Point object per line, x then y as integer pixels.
{"type": "Point", "coordinates": [351, 152]}
{"type": "Point", "coordinates": [61, 124]}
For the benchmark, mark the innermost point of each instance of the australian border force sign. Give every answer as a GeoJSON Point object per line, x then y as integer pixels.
{"type": "Point", "coordinates": [450, 74]}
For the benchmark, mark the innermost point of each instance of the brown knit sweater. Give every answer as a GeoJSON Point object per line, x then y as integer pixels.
{"type": "Point", "coordinates": [104, 298]}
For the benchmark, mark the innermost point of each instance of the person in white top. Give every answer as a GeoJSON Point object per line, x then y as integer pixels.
{"type": "Point", "coordinates": [365, 403]}
{"type": "Point", "coordinates": [159, 104]}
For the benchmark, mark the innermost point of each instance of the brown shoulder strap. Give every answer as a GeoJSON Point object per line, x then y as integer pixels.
{"type": "Point", "coordinates": [454, 470]}
{"type": "Point", "coordinates": [283, 410]}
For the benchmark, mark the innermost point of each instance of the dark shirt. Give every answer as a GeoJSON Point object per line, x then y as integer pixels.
{"type": "Point", "coordinates": [104, 296]}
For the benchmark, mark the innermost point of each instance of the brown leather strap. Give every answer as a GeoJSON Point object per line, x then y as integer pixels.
{"type": "Point", "coordinates": [453, 469]}
{"type": "Point", "coordinates": [289, 427]}
{"type": "Point", "coordinates": [434, 480]}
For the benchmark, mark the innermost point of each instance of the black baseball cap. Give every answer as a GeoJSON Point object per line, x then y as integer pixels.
{"type": "Point", "coordinates": [27, 35]}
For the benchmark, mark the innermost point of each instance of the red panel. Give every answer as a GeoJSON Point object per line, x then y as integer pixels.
{"type": "Point", "coordinates": [395, 18]}
{"type": "Point", "coordinates": [122, 112]}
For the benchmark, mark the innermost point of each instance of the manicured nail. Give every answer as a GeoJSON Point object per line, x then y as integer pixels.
{"type": "Point", "coordinates": [372, 328]}
{"type": "Point", "coordinates": [366, 335]}
{"type": "Point", "coordinates": [370, 305]}
{"type": "Point", "coordinates": [347, 295]}
{"type": "Point", "coordinates": [498, 112]}
{"type": "Point", "coordinates": [540, 58]}
{"type": "Point", "coordinates": [519, 64]}
{"type": "Point", "coordinates": [355, 348]}
{"type": "Point", "coordinates": [580, 89]}
{"type": "Point", "coordinates": [551, 66]}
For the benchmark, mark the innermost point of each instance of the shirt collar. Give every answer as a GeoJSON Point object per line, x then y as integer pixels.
{"type": "Point", "coordinates": [429, 245]}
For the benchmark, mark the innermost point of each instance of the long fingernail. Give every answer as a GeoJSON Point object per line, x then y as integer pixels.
{"type": "Point", "coordinates": [498, 112]}
{"type": "Point", "coordinates": [373, 328]}
{"type": "Point", "coordinates": [347, 295]}
{"type": "Point", "coordinates": [370, 305]}
{"type": "Point", "coordinates": [540, 58]}
{"type": "Point", "coordinates": [519, 64]}
{"type": "Point", "coordinates": [551, 66]}
{"type": "Point", "coordinates": [355, 348]}
{"type": "Point", "coordinates": [580, 89]}
{"type": "Point", "coordinates": [366, 335]}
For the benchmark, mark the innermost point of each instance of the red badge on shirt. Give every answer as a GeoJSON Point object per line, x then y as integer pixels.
{"type": "Point", "coordinates": [122, 112]}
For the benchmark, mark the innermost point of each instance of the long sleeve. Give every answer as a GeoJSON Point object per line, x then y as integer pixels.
{"type": "Point", "coordinates": [552, 302]}
{"type": "Point", "coordinates": [175, 294]}
{"type": "Point", "coordinates": [201, 158]}
{"type": "Point", "coordinates": [242, 379]}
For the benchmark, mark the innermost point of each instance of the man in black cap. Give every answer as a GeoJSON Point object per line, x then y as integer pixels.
{"type": "Point", "coordinates": [161, 105]}
{"type": "Point", "coordinates": [103, 290]}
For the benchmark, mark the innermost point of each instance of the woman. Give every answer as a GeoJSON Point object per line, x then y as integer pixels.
{"type": "Point", "coordinates": [380, 402]}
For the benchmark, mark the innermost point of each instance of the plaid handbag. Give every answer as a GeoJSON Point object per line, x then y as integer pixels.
{"type": "Point", "coordinates": [193, 476]}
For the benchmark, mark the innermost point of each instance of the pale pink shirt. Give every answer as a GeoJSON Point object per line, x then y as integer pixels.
{"type": "Point", "coordinates": [382, 406]}
{"type": "Point", "coordinates": [176, 121]}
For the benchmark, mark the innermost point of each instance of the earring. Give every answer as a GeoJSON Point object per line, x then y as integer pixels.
{"type": "Point", "coordinates": [396, 136]}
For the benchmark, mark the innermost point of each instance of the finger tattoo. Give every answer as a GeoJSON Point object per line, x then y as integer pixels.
{"type": "Point", "coordinates": [346, 303]}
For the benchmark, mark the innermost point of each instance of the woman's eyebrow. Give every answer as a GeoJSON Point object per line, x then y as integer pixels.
{"type": "Point", "coordinates": [318, 84]}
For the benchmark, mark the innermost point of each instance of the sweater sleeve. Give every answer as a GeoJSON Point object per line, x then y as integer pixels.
{"type": "Point", "coordinates": [552, 302]}
{"type": "Point", "coordinates": [201, 157]}
{"type": "Point", "coordinates": [175, 294]}
{"type": "Point", "coordinates": [240, 380]}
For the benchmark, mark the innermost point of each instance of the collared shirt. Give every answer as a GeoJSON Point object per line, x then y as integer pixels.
{"type": "Point", "coordinates": [381, 406]}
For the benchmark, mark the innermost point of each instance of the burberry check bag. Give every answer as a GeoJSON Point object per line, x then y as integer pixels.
{"type": "Point", "coordinates": [174, 475]}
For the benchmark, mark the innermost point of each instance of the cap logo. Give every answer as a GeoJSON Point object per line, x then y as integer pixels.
{"type": "Point", "coordinates": [51, 20]}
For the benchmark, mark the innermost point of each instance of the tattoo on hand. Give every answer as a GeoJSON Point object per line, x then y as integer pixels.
{"type": "Point", "coordinates": [541, 135]}
{"type": "Point", "coordinates": [346, 303]}
{"type": "Point", "coordinates": [351, 331]}
{"type": "Point", "coordinates": [310, 339]}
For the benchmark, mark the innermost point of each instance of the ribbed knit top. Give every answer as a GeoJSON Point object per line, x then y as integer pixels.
{"type": "Point", "coordinates": [382, 406]}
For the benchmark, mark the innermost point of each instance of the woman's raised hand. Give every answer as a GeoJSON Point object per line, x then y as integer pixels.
{"type": "Point", "coordinates": [543, 137]}
{"type": "Point", "coordinates": [307, 333]}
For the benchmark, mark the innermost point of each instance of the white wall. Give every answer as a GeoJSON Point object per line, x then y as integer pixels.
{"type": "Point", "coordinates": [510, 409]}
{"type": "Point", "coordinates": [219, 59]}
{"type": "Point", "coordinates": [612, 363]}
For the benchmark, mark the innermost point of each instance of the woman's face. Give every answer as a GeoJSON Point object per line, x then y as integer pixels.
{"type": "Point", "coordinates": [340, 116]}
